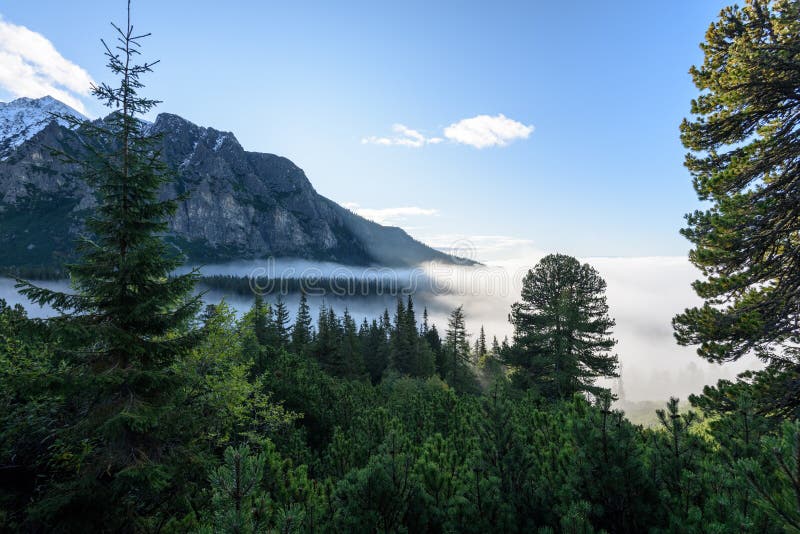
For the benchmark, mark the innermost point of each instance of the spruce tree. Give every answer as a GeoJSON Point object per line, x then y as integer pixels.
{"type": "Point", "coordinates": [403, 346]}
{"type": "Point", "coordinates": [350, 362]}
{"type": "Point", "coordinates": [458, 371]}
{"type": "Point", "coordinates": [480, 346]}
{"type": "Point", "coordinates": [489, 359]}
{"type": "Point", "coordinates": [281, 322]}
{"type": "Point", "coordinates": [562, 329]}
{"type": "Point", "coordinates": [262, 321]}
{"type": "Point", "coordinates": [127, 321]}
{"type": "Point", "coordinates": [435, 343]}
{"type": "Point", "coordinates": [328, 340]}
{"type": "Point", "coordinates": [495, 347]}
{"type": "Point", "coordinates": [375, 348]}
{"type": "Point", "coordinates": [301, 333]}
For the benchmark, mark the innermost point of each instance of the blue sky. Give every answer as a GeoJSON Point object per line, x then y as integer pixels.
{"type": "Point", "coordinates": [603, 85]}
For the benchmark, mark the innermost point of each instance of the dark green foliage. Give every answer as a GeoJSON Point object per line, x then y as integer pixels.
{"type": "Point", "coordinates": [281, 321]}
{"type": "Point", "coordinates": [237, 501]}
{"type": "Point", "coordinates": [349, 358]}
{"type": "Point", "coordinates": [33, 250]}
{"type": "Point", "coordinates": [258, 492]}
{"type": "Point", "coordinates": [458, 368]}
{"type": "Point", "coordinates": [375, 348]}
{"type": "Point", "coordinates": [127, 322]}
{"type": "Point", "coordinates": [302, 334]}
{"type": "Point", "coordinates": [263, 327]}
{"type": "Point", "coordinates": [326, 343]}
{"type": "Point", "coordinates": [744, 143]}
{"type": "Point", "coordinates": [562, 329]}
{"type": "Point", "coordinates": [480, 351]}
{"type": "Point", "coordinates": [675, 457]}
{"type": "Point", "coordinates": [774, 475]}
{"type": "Point", "coordinates": [404, 339]}
{"type": "Point", "coordinates": [313, 449]}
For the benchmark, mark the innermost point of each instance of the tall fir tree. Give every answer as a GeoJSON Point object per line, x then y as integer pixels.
{"type": "Point", "coordinates": [458, 365]}
{"type": "Point", "coordinates": [375, 348]}
{"type": "Point", "coordinates": [327, 339]}
{"type": "Point", "coordinates": [434, 341]}
{"type": "Point", "coordinates": [481, 351]}
{"type": "Point", "coordinates": [281, 321]}
{"type": "Point", "coordinates": [489, 359]}
{"type": "Point", "coordinates": [496, 351]}
{"type": "Point", "coordinates": [128, 321]}
{"type": "Point", "coordinates": [301, 333]}
{"type": "Point", "coordinates": [403, 353]}
{"type": "Point", "coordinates": [262, 321]}
{"type": "Point", "coordinates": [349, 359]}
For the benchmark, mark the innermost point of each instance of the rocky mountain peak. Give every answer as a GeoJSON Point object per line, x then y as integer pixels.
{"type": "Point", "coordinates": [24, 117]}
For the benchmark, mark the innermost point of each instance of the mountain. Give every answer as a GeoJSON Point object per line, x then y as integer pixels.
{"type": "Point", "coordinates": [241, 205]}
{"type": "Point", "coordinates": [25, 117]}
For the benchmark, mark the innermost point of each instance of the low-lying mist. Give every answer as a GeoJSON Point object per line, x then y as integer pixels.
{"type": "Point", "coordinates": [643, 295]}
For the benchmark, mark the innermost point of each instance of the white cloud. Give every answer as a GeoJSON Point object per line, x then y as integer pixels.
{"type": "Point", "coordinates": [480, 132]}
{"type": "Point", "coordinates": [391, 215]}
{"type": "Point", "coordinates": [405, 137]}
{"type": "Point", "coordinates": [484, 131]}
{"type": "Point", "coordinates": [31, 66]}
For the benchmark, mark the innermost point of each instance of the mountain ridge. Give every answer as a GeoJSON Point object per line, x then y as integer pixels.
{"type": "Point", "coordinates": [241, 204]}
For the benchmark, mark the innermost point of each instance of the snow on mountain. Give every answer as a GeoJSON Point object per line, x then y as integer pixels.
{"type": "Point", "coordinates": [24, 117]}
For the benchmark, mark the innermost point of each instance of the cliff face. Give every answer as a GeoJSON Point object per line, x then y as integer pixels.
{"type": "Point", "coordinates": [241, 205]}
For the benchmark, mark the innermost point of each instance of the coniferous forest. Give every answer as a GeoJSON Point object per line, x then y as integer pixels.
{"type": "Point", "coordinates": [139, 407]}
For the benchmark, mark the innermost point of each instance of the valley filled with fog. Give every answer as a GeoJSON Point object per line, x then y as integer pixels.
{"type": "Point", "coordinates": [643, 295]}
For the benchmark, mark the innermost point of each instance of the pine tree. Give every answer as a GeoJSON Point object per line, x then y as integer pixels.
{"type": "Point", "coordinates": [458, 370]}
{"type": "Point", "coordinates": [328, 340]}
{"type": "Point", "coordinates": [386, 323]}
{"type": "Point", "coordinates": [350, 362]}
{"type": "Point", "coordinates": [676, 458]}
{"type": "Point", "coordinates": [375, 348]}
{"type": "Point", "coordinates": [496, 351]}
{"type": "Point", "coordinates": [425, 364]}
{"type": "Point", "coordinates": [480, 347]}
{"type": "Point", "coordinates": [403, 347]}
{"type": "Point", "coordinates": [434, 341]}
{"type": "Point", "coordinates": [743, 139]}
{"type": "Point", "coordinates": [129, 320]}
{"type": "Point", "coordinates": [259, 335]}
{"type": "Point", "coordinates": [281, 322]}
{"type": "Point", "coordinates": [262, 321]}
{"type": "Point", "coordinates": [562, 329]}
{"type": "Point", "coordinates": [489, 360]}
{"type": "Point", "coordinates": [422, 361]}
{"type": "Point", "coordinates": [301, 333]}
{"type": "Point", "coordinates": [236, 492]}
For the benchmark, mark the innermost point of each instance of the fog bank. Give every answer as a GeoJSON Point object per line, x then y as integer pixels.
{"type": "Point", "coordinates": [643, 294]}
